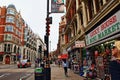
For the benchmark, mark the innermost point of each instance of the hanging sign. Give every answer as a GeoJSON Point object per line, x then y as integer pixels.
{"type": "Point", "coordinates": [57, 6]}
{"type": "Point", "coordinates": [79, 44]}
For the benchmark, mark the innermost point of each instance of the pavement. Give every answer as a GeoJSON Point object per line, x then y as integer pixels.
{"type": "Point", "coordinates": [57, 73]}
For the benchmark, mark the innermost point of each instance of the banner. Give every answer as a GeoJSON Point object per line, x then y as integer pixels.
{"type": "Point", "coordinates": [57, 6]}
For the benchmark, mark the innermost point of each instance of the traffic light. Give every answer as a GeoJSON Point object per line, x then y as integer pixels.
{"type": "Point", "coordinates": [48, 30]}
{"type": "Point", "coordinates": [48, 21]}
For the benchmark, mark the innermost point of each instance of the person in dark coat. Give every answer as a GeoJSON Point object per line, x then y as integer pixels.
{"type": "Point", "coordinates": [114, 65]}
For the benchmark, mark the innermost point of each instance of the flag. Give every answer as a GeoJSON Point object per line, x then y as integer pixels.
{"type": "Point", "coordinates": [57, 6]}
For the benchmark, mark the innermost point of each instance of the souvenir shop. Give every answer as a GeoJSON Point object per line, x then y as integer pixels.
{"type": "Point", "coordinates": [100, 40]}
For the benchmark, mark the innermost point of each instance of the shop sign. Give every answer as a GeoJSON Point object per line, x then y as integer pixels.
{"type": "Point", "coordinates": [79, 44]}
{"type": "Point", "coordinates": [107, 28]}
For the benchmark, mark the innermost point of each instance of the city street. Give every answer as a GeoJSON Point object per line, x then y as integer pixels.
{"type": "Point", "coordinates": [11, 72]}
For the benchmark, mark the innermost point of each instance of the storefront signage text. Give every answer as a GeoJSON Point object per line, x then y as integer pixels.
{"type": "Point", "coordinates": [109, 27]}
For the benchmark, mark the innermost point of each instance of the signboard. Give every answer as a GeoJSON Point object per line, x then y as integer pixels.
{"type": "Point", "coordinates": [107, 28]}
{"type": "Point", "coordinates": [79, 44]}
{"type": "Point", "coordinates": [57, 6]}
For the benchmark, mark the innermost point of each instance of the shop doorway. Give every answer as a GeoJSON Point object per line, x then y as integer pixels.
{"type": "Point", "coordinates": [7, 59]}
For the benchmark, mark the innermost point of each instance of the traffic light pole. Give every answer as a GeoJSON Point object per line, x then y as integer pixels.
{"type": "Point", "coordinates": [47, 35]}
{"type": "Point", "coordinates": [47, 66]}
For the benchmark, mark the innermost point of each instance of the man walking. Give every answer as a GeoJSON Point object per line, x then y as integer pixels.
{"type": "Point", "coordinates": [65, 66]}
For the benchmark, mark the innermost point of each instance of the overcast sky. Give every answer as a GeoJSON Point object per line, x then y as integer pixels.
{"type": "Point", "coordinates": [34, 13]}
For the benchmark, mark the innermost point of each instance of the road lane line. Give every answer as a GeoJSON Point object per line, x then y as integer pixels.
{"type": "Point", "coordinates": [2, 76]}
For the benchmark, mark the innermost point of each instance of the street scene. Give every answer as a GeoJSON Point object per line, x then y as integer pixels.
{"type": "Point", "coordinates": [60, 40]}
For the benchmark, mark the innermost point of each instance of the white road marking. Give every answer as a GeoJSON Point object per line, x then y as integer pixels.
{"type": "Point", "coordinates": [25, 76]}
{"type": "Point", "coordinates": [2, 76]}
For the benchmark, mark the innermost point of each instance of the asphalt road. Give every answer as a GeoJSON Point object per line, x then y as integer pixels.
{"type": "Point", "coordinates": [11, 72]}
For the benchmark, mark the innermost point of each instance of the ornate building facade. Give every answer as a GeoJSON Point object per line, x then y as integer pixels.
{"type": "Point", "coordinates": [17, 40]}
{"type": "Point", "coordinates": [91, 28]}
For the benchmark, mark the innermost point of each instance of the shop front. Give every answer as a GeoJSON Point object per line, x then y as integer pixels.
{"type": "Point", "coordinates": [76, 55]}
{"type": "Point", "coordinates": [100, 40]}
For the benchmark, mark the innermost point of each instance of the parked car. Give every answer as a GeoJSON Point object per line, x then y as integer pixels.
{"type": "Point", "coordinates": [24, 63]}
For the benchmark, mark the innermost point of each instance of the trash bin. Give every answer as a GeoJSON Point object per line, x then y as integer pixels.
{"type": "Point", "coordinates": [39, 73]}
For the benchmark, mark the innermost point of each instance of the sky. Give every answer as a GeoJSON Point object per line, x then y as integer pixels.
{"type": "Point", "coordinates": [34, 14]}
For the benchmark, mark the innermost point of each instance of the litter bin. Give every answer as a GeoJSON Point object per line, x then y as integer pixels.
{"type": "Point", "coordinates": [39, 73]}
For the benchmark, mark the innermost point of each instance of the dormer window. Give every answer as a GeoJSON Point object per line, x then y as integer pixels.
{"type": "Point", "coordinates": [10, 11]}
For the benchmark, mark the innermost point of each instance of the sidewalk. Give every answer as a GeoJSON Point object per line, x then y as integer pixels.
{"type": "Point", "coordinates": [58, 74]}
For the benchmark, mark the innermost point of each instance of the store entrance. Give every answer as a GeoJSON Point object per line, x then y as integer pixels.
{"type": "Point", "coordinates": [7, 59]}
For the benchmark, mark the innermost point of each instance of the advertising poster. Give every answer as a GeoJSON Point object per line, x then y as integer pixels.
{"type": "Point", "coordinates": [57, 6]}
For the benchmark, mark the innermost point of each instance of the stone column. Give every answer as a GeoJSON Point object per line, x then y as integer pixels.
{"type": "Point", "coordinates": [84, 14]}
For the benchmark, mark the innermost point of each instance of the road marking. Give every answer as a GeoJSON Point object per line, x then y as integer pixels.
{"type": "Point", "coordinates": [2, 76]}
{"type": "Point", "coordinates": [27, 75]}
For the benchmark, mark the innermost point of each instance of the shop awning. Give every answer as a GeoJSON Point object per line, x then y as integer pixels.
{"type": "Point", "coordinates": [63, 56]}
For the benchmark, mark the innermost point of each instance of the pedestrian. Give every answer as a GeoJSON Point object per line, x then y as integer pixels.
{"type": "Point", "coordinates": [59, 63]}
{"type": "Point", "coordinates": [114, 66]}
{"type": "Point", "coordinates": [65, 66]}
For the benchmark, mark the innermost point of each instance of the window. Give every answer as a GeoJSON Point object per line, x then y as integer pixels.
{"type": "Point", "coordinates": [79, 2]}
{"type": "Point", "coordinates": [91, 9]}
{"type": "Point", "coordinates": [8, 37]}
{"type": "Point", "coordinates": [62, 38]}
{"type": "Point", "coordinates": [62, 30]}
{"type": "Point", "coordinates": [100, 3]}
{"type": "Point", "coordinates": [10, 11]}
{"type": "Point", "coordinates": [10, 19]}
{"type": "Point", "coordinates": [81, 17]}
{"type": "Point", "coordinates": [5, 47]}
{"type": "Point", "coordinates": [8, 48]}
{"type": "Point", "coordinates": [17, 23]}
{"type": "Point", "coordinates": [9, 28]}
{"type": "Point", "coordinates": [18, 33]}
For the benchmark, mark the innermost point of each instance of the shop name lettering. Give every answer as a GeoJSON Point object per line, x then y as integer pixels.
{"type": "Point", "coordinates": [107, 28]}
